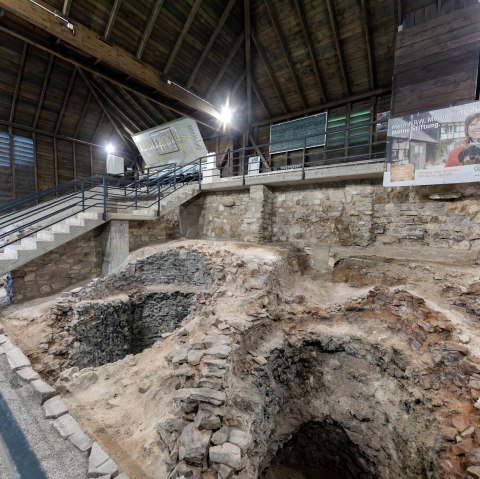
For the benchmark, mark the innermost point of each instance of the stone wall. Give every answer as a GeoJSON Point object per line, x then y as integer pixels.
{"type": "Point", "coordinates": [144, 233]}
{"type": "Point", "coordinates": [222, 214]}
{"type": "Point", "coordinates": [360, 213]}
{"type": "Point", "coordinates": [71, 263]}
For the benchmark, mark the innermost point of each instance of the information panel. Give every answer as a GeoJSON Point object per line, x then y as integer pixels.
{"type": "Point", "coordinates": [178, 142]}
{"type": "Point", "coordinates": [294, 135]}
{"type": "Point", "coordinates": [434, 147]}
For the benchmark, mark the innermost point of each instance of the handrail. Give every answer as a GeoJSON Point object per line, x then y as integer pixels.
{"type": "Point", "coordinates": [107, 192]}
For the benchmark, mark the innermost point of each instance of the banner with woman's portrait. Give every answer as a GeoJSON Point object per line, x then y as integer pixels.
{"type": "Point", "coordinates": [434, 147]}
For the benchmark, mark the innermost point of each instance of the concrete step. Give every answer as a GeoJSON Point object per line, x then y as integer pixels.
{"type": "Point", "coordinates": [33, 243]}
{"type": "Point", "coordinates": [143, 212]}
{"type": "Point", "coordinates": [60, 228]}
{"type": "Point", "coordinates": [75, 221]}
{"type": "Point", "coordinates": [17, 250]}
{"type": "Point", "coordinates": [92, 215]}
{"type": "Point", "coordinates": [6, 257]}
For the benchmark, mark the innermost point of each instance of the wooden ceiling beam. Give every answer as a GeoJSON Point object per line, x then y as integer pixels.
{"type": "Point", "coordinates": [107, 113]}
{"type": "Point", "coordinates": [18, 83]}
{"type": "Point", "coordinates": [44, 133]}
{"type": "Point", "coordinates": [97, 126]}
{"type": "Point", "coordinates": [211, 41]}
{"type": "Point", "coordinates": [132, 106]}
{"type": "Point", "coordinates": [111, 19]}
{"type": "Point", "coordinates": [87, 41]}
{"type": "Point", "coordinates": [368, 43]}
{"type": "Point", "coordinates": [237, 84]}
{"type": "Point", "coordinates": [324, 106]}
{"type": "Point", "coordinates": [248, 59]}
{"type": "Point", "coordinates": [311, 49]}
{"type": "Point", "coordinates": [65, 100]}
{"type": "Point", "coordinates": [115, 106]}
{"type": "Point", "coordinates": [284, 49]}
{"type": "Point", "coordinates": [181, 38]}
{"type": "Point", "coordinates": [338, 46]}
{"type": "Point", "coordinates": [152, 110]}
{"type": "Point", "coordinates": [67, 4]}
{"type": "Point", "coordinates": [86, 104]}
{"type": "Point", "coordinates": [149, 28]}
{"type": "Point", "coordinates": [270, 73]}
{"type": "Point", "coordinates": [118, 97]}
{"type": "Point", "coordinates": [95, 71]}
{"type": "Point", "coordinates": [46, 79]}
{"type": "Point", "coordinates": [260, 98]}
{"type": "Point", "coordinates": [226, 64]}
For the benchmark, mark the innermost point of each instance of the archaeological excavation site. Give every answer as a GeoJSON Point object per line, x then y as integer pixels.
{"type": "Point", "coordinates": [239, 239]}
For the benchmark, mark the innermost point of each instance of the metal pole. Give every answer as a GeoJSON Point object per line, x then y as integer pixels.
{"type": "Point", "coordinates": [303, 157]}
{"type": "Point", "coordinates": [158, 197]}
{"type": "Point", "coordinates": [148, 181]}
{"type": "Point", "coordinates": [105, 195]}
{"type": "Point", "coordinates": [200, 173]}
{"type": "Point", "coordinates": [136, 199]}
{"type": "Point", "coordinates": [83, 196]}
{"type": "Point", "coordinates": [242, 159]}
{"type": "Point", "coordinates": [174, 176]}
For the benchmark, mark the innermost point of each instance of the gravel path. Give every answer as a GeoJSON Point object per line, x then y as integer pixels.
{"type": "Point", "coordinates": [58, 458]}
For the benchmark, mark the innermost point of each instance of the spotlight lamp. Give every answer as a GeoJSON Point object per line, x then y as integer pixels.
{"type": "Point", "coordinates": [110, 148]}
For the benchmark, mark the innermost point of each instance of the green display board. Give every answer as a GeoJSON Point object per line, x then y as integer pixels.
{"type": "Point", "coordinates": [294, 135]}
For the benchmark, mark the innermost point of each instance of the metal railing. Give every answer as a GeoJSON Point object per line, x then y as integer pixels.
{"type": "Point", "coordinates": [112, 194]}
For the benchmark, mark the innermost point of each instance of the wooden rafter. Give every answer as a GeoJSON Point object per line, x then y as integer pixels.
{"type": "Point", "coordinates": [65, 100]}
{"type": "Point", "coordinates": [259, 96]}
{"type": "Point", "coordinates": [111, 19]}
{"type": "Point", "coordinates": [105, 110]}
{"type": "Point", "coordinates": [19, 81]}
{"type": "Point", "coordinates": [87, 41]}
{"type": "Point", "coordinates": [284, 49]}
{"type": "Point", "coordinates": [86, 104]}
{"type": "Point", "coordinates": [211, 41]}
{"type": "Point", "coordinates": [97, 126]}
{"type": "Point", "coordinates": [259, 152]}
{"type": "Point", "coordinates": [399, 12]}
{"type": "Point", "coordinates": [331, 104]}
{"type": "Point", "coordinates": [67, 4]}
{"type": "Point", "coordinates": [226, 64]}
{"type": "Point", "coordinates": [368, 43]}
{"type": "Point", "coordinates": [311, 50]}
{"type": "Point", "coordinates": [270, 73]}
{"type": "Point", "coordinates": [238, 82]}
{"type": "Point", "coordinates": [133, 106]}
{"type": "Point", "coordinates": [118, 101]}
{"type": "Point", "coordinates": [46, 79]}
{"type": "Point", "coordinates": [338, 47]}
{"type": "Point", "coordinates": [114, 106]}
{"type": "Point", "coordinates": [181, 38]}
{"type": "Point", "coordinates": [248, 59]}
{"type": "Point", "coordinates": [148, 29]}
{"type": "Point", "coordinates": [103, 74]}
{"type": "Point", "coordinates": [153, 111]}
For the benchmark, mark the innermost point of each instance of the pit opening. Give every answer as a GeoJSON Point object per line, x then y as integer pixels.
{"type": "Point", "coordinates": [320, 450]}
{"type": "Point", "coordinates": [107, 331]}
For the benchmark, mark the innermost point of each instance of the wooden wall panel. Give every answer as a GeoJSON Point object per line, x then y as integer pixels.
{"type": "Point", "coordinates": [45, 162]}
{"type": "Point", "coordinates": [436, 63]}
{"type": "Point", "coordinates": [82, 153]}
{"type": "Point", "coordinates": [64, 161]}
{"type": "Point", "coordinates": [99, 161]}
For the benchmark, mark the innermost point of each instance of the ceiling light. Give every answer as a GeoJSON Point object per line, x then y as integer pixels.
{"type": "Point", "coordinates": [110, 148]}
{"type": "Point", "coordinates": [226, 114]}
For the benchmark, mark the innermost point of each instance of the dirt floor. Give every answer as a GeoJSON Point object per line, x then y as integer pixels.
{"type": "Point", "coordinates": [268, 301]}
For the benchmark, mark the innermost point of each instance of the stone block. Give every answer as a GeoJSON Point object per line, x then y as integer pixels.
{"type": "Point", "coordinates": [54, 408]}
{"type": "Point", "coordinates": [240, 438]}
{"type": "Point", "coordinates": [28, 374]}
{"type": "Point", "coordinates": [228, 454]}
{"type": "Point", "coordinates": [219, 351]}
{"type": "Point", "coordinates": [66, 425]}
{"type": "Point", "coordinates": [108, 468]}
{"type": "Point", "coordinates": [6, 346]}
{"type": "Point", "coordinates": [16, 359]}
{"type": "Point", "coordinates": [193, 444]}
{"type": "Point", "coordinates": [1, 329]}
{"type": "Point", "coordinates": [81, 441]}
{"type": "Point", "coordinates": [207, 420]}
{"type": "Point", "coordinates": [3, 338]}
{"type": "Point", "coordinates": [211, 396]}
{"type": "Point", "coordinates": [97, 456]}
{"type": "Point", "coordinates": [43, 390]}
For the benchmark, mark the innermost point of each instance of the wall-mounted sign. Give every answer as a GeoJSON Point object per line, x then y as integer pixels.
{"type": "Point", "coordinates": [294, 135]}
{"type": "Point", "coordinates": [434, 147]}
{"type": "Point", "coordinates": [178, 141]}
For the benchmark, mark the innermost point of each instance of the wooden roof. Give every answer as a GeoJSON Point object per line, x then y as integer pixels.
{"type": "Point", "coordinates": [124, 66]}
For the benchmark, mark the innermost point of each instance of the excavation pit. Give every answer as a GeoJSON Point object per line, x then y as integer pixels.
{"type": "Point", "coordinates": [107, 331]}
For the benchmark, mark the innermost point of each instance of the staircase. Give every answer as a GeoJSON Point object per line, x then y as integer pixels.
{"type": "Point", "coordinates": [45, 240]}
